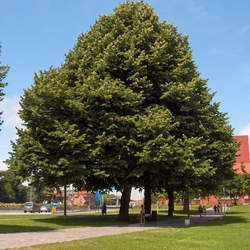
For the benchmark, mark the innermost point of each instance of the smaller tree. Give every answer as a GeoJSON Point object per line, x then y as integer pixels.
{"type": "Point", "coordinates": [11, 188]}
{"type": "Point", "coordinates": [239, 185]}
{"type": "Point", "coordinates": [51, 150]}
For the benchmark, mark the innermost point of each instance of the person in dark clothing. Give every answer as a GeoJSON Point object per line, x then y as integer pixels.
{"type": "Point", "coordinates": [200, 210]}
{"type": "Point", "coordinates": [142, 214]}
{"type": "Point", "coordinates": [104, 209]}
{"type": "Point", "coordinates": [215, 209]}
{"type": "Point", "coordinates": [218, 208]}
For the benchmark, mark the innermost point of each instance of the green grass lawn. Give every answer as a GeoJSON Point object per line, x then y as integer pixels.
{"type": "Point", "coordinates": [36, 222]}
{"type": "Point", "coordinates": [232, 232]}
{"type": "Point", "coordinates": [27, 223]}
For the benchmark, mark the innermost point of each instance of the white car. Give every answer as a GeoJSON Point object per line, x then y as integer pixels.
{"type": "Point", "coordinates": [45, 208]}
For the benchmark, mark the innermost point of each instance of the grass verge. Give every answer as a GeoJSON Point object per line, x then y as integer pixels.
{"type": "Point", "coordinates": [37, 222]}
{"type": "Point", "coordinates": [232, 232]}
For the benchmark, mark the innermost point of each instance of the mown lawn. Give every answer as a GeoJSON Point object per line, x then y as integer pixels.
{"type": "Point", "coordinates": [31, 223]}
{"type": "Point", "coordinates": [36, 222]}
{"type": "Point", "coordinates": [232, 232]}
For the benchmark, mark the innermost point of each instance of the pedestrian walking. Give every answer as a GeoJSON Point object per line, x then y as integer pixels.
{"type": "Point", "coordinates": [104, 209]}
{"type": "Point", "coordinates": [200, 210]}
{"type": "Point", "coordinates": [218, 208]}
{"type": "Point", "coordinates": [215, 209]}
{"type": "Point", "coordinates": [142, 213]}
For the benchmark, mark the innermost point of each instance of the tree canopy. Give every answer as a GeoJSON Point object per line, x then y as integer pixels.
{"type": "Point", "coordinates": [11, 188]}
{"type": "Point", "coordinates": [127, 108]}
{"type": "Point", "coordinates": [237, 186]}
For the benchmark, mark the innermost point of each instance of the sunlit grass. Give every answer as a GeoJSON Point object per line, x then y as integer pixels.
{"type": "Point", "coordinates": [232, 232]}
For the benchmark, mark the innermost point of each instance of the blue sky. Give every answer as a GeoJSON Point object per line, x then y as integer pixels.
{"type": "Point", "coordinates": [36, 34]}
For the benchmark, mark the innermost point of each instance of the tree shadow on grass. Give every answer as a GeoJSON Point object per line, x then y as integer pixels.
{"type": "Point", "coordinates": [222, 221]}
{"type": "Point", "coordinates": [108, 220]}
{"type": "Point", "coordinates": [21, 228]}
{"type": "Point", "coordinates": [55, 222]}
{"type": "Point", "coordinates": [82, 220]}
{"type": "Point", "coordinates": [180, 212]}
{"type": "Point", "coordinates": [210, 212]}
{"type": "Point", "coordinates": [96, 220]}
{"type": "Point", "coordinates": [206, 220]}
{"type": "Point", "coordinates": [111, 220]}
{"type": "Point", "coordinates": [179, 222]}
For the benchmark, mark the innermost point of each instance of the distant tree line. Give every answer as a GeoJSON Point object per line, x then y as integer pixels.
{"type": "Point", "coordinates": [11, 188]}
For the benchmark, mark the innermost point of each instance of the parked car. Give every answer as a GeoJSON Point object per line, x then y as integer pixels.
{"type": "Point", "coordinates": [31, 207]}
{"type": "Point", "coordinates": [132, 204]}
{"type": "Point", "coordinates": [45, 208]}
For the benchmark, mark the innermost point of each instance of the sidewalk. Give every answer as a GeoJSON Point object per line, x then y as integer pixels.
{"type": "Point", "coordinates": [16, 240]}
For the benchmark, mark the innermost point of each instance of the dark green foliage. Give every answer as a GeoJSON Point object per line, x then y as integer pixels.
{"type": "Point", "coordinates": [11, 188]}
{"type": "Point", "coordinates": [52, 144]}
{"type": "Point", "coordinates": [127, 108]}
{"type": "Point", "coordinates": [236, 187]}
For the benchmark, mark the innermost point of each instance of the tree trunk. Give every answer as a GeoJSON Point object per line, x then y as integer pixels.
{"type": "Point", "coordinates": [147, 199]}
{"type": "Point", "coordinates": [125, 199]}
{"type": "Point", "coordinates": [65, 200]}
{"type": "Point", "coordinates": [186, 203]}
{"type": "Point", "coordinates": [170, 202]}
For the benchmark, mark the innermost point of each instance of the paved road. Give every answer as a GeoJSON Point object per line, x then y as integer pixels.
{"type": "Point", "coordinates": [20, 212]}
{"type": "Point", "coordinates": [16, 240]}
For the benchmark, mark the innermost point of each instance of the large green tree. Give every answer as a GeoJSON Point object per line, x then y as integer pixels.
{"type": "Point", "coordinates": [127, 108]}
{"type": "Point", "coordinates": [131, 50]}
